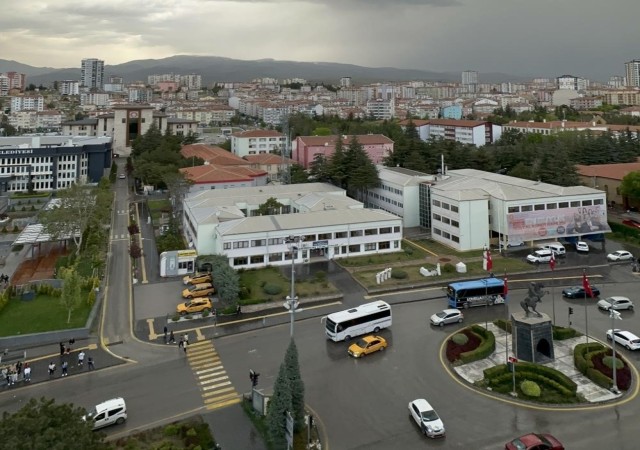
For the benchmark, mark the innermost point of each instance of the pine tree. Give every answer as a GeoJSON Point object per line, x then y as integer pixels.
{"type": "Point", "coordinates": [279, 404]}
{"type": "Point", "coordinates": [297, 385]}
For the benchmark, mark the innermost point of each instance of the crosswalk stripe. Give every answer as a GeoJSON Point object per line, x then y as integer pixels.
{"type": "Point", "coordinates": [213, 386]}
{"type": "Point", "coordinates": [212, 374]}
{"type": "Point", "coordinates": [223, 404]}
{"type": "Point", "coordinates": [221, 398]}
{"type": "Point", "coordinates": [214, 380]}
{"type": "Point", "coordinates": [202, 344]}
{"type": "Point", "coordinates": [210, 369]}
{"type": "Point", "coordinates": [203, 358]}
{"type": "Point", "coordinates": [197, 364]}
{"type": "Point", "coordinates": [217, 392]}
{"type": "Point", "coordinates": [206, 365]}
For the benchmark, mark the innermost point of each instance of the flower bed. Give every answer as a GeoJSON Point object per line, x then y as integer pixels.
{"type": "Point", "coordinates": [454, 350]}
{"type": "Point", "coordinates": [623, 375]}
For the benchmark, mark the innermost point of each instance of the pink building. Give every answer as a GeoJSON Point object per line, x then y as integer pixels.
{"type": "Point", "coordinates": [168, 86]}
{"type": "Point", "coordinates": [376, 146]}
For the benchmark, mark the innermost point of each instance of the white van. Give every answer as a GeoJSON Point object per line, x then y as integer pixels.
{"type": "Point", "coordinates": [107, 413]}
{"type": "Point", "coordinates": [556, 247]}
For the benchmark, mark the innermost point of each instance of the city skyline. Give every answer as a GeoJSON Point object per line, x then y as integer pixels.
{"type": "Point", "coordinates": [539, 39]}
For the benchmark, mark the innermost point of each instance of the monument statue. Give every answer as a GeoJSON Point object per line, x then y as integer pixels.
{"type": "Point", "coordinates": [533, 297]}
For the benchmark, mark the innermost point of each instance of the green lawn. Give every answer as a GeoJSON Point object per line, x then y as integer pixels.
{"type": "Point", "coordinates": [43, 313]}
{"type": "Point", "coordinates": [441, 249]}
{"type": "Point", "coordinates": [500, 266]}
{"type": "Point", "coordinates": [409, 253]}
{"type": "Point", "coordinates": [157, 207]}
{"type": "Point", "coordinates": [255, 279]}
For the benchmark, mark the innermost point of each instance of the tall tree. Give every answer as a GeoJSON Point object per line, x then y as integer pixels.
{"type": "Point", "coordinates": [270, 207]}
{"type": "Point", "coordinates": [69, 218]}
{"type": "Point", "coordinates": [41, 423]}
{"type": "Point", "coordinates": [297, 385]}
{"type": "Point", "coordinates": [630, 187]}
{"type": "Point", "coordinates": [337, 164]}
{"type": "Point", "coordinates": [279, 404]}
{"type": "Point", "coordinates": [362, 173]}
{"type": "Point", "coordinates": [71, 296]}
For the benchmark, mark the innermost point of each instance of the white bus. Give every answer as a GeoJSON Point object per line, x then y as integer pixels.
{"type": "Point", "coordinates": [367, 318]}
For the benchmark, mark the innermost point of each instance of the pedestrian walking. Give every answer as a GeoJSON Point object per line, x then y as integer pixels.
{"type": "Point", "coordinates": [238, 310]}
{"type": "Point", "coordinates": [64, 367]}
{"type": "Point", "coordinates": [52, 368]}
{"type": "Point", "coordinates": [172, 338]}
{"type": "Point", "coordinates": [14, 377]}
{"type": "Point", "coordinates": [181, 343]}
{"type": "Point", "coordinates": [71, 342]}
{"type": "Point", "coordinates": [165, 334]}
{"type": "Point", "coordinates": [184, 347]}
{"type": "Point", "coordinates": [62, 348]}
{"type": "Point", "coordinates": [186, 339]}
{"type": "Point", "coordinates": [67, 351]}
{"type": "Point", "coordinates": [80, 358]}
{"type": "Point", "coordinates": [19, 367]}
{"type": "Point", "coordinates": [27, 372]}
{"type": "Point", "coordinates": [90, 363]}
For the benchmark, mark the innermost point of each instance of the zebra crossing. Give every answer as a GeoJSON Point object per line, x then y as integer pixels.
{"type": "Point", "coordinates": [217, 391]}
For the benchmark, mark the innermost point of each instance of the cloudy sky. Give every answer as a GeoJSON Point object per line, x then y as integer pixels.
{"type": "Point", "coordinates": [587, 38]}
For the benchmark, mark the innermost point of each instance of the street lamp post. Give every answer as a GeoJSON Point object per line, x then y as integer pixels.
{"type": "Point", "coordinates": [292, 300]}
{"type": "Point", "coordinates": [614, 315]}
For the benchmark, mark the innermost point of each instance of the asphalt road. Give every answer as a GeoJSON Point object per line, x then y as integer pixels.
{"type": "Point", "coordinates": [363, 403]}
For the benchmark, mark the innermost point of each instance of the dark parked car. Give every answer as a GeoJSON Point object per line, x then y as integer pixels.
{"type": "Point", "coordinates": [579, 292]}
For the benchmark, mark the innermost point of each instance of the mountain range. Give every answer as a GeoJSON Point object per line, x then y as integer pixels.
{"type": "Point", "coordinates": [215, 68]}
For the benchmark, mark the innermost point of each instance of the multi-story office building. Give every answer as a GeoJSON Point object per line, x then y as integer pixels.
{"type": "Point", "coordinates": [473, 132]}
{"type": "Point", "coordinates": [632, 71]}
{"type": "Point", "coordinates": [470, 80]}
{"type": "Point", "coordinates": [381, 109]}
{"type": "Point", "coordinates": [376, 146]}
{"type": "Point", "coordinates": [47, 163]}
{"type": "Point", "coordinates": [92, 73]}
{"type": "Point", "coordinates": [255, 142]}
{"type": "Point", "coordinates": [69, 87]}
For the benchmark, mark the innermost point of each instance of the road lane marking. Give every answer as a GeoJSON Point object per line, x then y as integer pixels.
{"type": "Point", "coordinates": [213, 374]}
{"type": "Point", "coordinates": [221, 399]}
{"type": "Point", "coordinates": [152, 332]}
{"type": "Point", "coordinates": [53, 355]}
{"type": "Point", "coordinates": [199, 335]}
{"type": "Point", "coordinates": [206, 388]}
{"type": "Point", "coordinates": [222, 405]}
{"type": "Point", "coordinates": [142, 262]}
{"type": "Point", "coordinates": [217, 392]}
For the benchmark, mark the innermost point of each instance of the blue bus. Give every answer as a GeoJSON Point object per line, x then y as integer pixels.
{"type": "Point", "coordinates": [465, 294]}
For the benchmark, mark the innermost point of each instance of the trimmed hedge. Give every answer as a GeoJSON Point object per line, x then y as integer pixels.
{"type": "Point", "coordinates": [530, 388]}
{"type": "Point", "coordinates": [562, 333]}
{"type": "Point", "coordinates": [503, 325]}
{"type": "Point", "coordinates": [486, 347]}
{"type": "Point", "coordinates": [535, 372]}
{"type": "Point", "coordinates": [399, 274]}
{"type": "Point", "coordinates": [580, 352]}
{"type": "Point", "coordinates": [272, 289]}
{"type": "Point", "coordinates": [460, 338]}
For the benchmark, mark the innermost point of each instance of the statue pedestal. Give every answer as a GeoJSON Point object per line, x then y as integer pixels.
{"type": "Point", "coordinates": [532, 338]}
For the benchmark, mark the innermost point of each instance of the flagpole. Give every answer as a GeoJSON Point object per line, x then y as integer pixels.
{"type": "Point", "coordinates": [552, 263]}
{"type": "Point", "coordinates": [585, 285]}
{"type": "Point", "coordinates": [506, 325]}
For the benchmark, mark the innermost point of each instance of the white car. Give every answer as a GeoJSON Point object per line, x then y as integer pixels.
{"type": "Point", "coordinates": [625, 338]}
{"type": "Point", "coordinates": [616, 303]}
{"type": "Point", "coordinates": [582, 246]}
{"type": "Point", "coordinates": [447, 316]}
{"type": "Point", "coordinates": [620, 255]}
{"type": "Point", "coordinates": [122, 176]}
{"type": "Point", "coordinates": [511, 243]}
{"type": "Point", "coordinates": [426, 418]}
{"type": "Point", "coordinates": [540, 256]}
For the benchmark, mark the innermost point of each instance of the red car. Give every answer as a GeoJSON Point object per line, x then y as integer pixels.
{"type": "Point", "coordinates": [631, 223]}
{"type": "Point", "coordinates": [534, 441]}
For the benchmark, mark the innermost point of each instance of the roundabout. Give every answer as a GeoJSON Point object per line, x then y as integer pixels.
{"type": "Point", "coordinates": [472, 374]}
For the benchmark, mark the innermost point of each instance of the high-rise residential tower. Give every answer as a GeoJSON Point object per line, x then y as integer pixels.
{"type": "Point", "coordinates": [470, 80]}
{"type": "Point", "coordinates": [92, 73]}
{"type": "Point", "coordinates": [632, 70]}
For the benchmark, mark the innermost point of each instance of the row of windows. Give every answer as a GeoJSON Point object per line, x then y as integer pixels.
{"type": "Point", "coordinates": [446, 206]}
{"type": "Point", "coordinates": [344, 250]}
{"type": "Point", "coordinates": [386, 199]}
{"type": "Point", "coordinates": [384, 187]}
{"type": "Point", "coordinates": [559, 205]}
{"type": "Point", "coordinates": [311, 237]}
{"type": "Point", "coordinates": [446, 235]}
{"type": "Point", "coordinates": [448, 221]}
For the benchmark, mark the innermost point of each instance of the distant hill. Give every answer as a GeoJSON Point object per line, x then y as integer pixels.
{"type": "Point", "coordinates": [214, 68]}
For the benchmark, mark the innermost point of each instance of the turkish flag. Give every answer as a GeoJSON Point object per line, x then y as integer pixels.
{"type": "Point", "coordinates": [552, 261]}
{"type": "Point", "coordinates": [586, 285]}
{"type": "Point", "coordinates": [487, 263]}
{"type": "Point", "coordinates": [506, 286]}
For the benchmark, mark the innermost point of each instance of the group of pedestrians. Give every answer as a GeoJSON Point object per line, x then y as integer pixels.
{"type": "Point", "coordinates": [65, 355]}
{"type": "Point", "coordinates": [12, 373]}
{"type": "Point", "coordinates": [171, 339]}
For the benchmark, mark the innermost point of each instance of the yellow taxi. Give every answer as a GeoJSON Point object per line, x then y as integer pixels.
{"type": "Point", "coordinates": [198, 290]}
{"type": "Point", "coordinates": [197, 278]}
{"type": "Point", "coordinates": [194, 306]}
{"type": "Point", "coordinates": [366, 345]}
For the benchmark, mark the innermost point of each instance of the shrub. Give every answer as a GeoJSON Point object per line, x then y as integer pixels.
{"type": "Point", "coordinates": [503, 325]}
{"type": "Point", "coordinates": [460, 339]}
{"type": "Point", "coordinates": [171, 430]}
{"type": "Point", "coordinates": [454, 350]}
{"type": "Point", "coordinates": [562, 333]}
{"type": "Point", "coordinates": [486, 347]}
{"type": "Point", "coordinates": [24, 208]}
{"type": "Point", "coordinates": [33, 208]}
{"type": "Point", "coordinates": [272, 289]}
{"type": "Point", "coordinates": [175, 318]}
{"type": "Point", "coordinates": [408, 250]}
{"type": "Point", "coordinates": [608, 361]}
{"type": "Point", "coordinates": [398, 274]}
{"type": "Point", "coordinates": [448, 268]}
{"type": "Point", "coordinates": [206, 312]}
{"type": "Point", "coordinates": [244, 293]}
{"type": "Point", "coordinates": [530, 388]}
{"type": "Point", "coordinates": [91, 298]}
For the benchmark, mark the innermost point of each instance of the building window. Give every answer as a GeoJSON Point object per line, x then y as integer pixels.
{"type": "Point", "coordinates": [454, 208]}
{"type": "Point", "coordinates": [587, 202]}
{"type": "Point", "coordinates": [240, 261]}
{"type": "Point", "coordinates": [241, 244]}
{"type": "Point", "coordinates": [258, 243]}
{"type": "Point", "coordinates": [226, 246]}
{"type": "Point", "coordinates": [273, 257]}
{"type": "Point", "coordinates": [396, 244]}
{"type": "Point", "coordinates": [539, 207]}
{"type": "Point", "coordinates": [598, 201]}
{"type": "Point", "coordinates": [552, 205]}
{"type": "Point", "coordinates": [445, 205]}
{"type": "Point", "coordinates": [340, 234]}
{"type": "Point", "coordinates": [446, 220]}
{"type": "Point", "coordinates": [396, 229]}
{"type": "Point", "coordinates": [276, 241]}
{"type": "Point", "coordinates": [344, 250]}
{"type": "Point", "coordinates": [356, 233]}
{"type": "Point", "coordinates": [385, 245]}
{"type": "Point", "coordinates": [455, 223]}
{"type": "Point", "coordinates": [437, 231]}
{"type": "Point", "coordinates": [309, 238]}
{"type": "Point", "coordinates": [370, 231]}
{"type": "Point", "coordinates": [455, 238]}
{"type": "Point", "coordinates": [385, 230]}
{"type": "Point", "coordinates": [370, 247]}
{"type": "Point", "coordinates": [437, 217]}
{"type": "Point", "coordinates": [575, 204]}
{"type": "Point", "coordinates": [257, 259]}
{"type": "Point", "coordinates": [436, 203]}
{"type": "Point", "coordinates": [354, 248]}
{"type": "Point", "coordinates": [324, 236]}
{"type": "Point", "coordinates": [526, 208]}
{"type": "Point", "coordinates": [563, 205]}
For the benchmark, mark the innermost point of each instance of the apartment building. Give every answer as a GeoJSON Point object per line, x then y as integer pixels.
{"type": "Point", "coordinates": [381, 109]}
{"type": "Point", "coordinates": [92, 73]}
{"type": "Point", "coordinates": [472, 132]}
{"type": "Point", "coordinates": [632, 72]}
{"type": "Point", "coordinates": [27, 103]}
{"type": "Point", "coordinates": [572, 82]}
{"type": "Point", "coordinates": [15, 80]}
{"type": "Point", "coordinates": [586, 102]}
{"type": "Point", "coordinates": [306, 148]}
{"type": "Point", "coordinates": [256, 142]}
{"type": "Point", "coordinates": [69, 87]}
